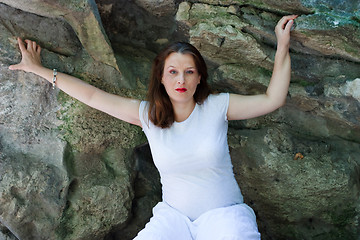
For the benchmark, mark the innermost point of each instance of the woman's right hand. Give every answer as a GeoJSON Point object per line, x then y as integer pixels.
{"type": "Point", "coordinates": [30, 54]}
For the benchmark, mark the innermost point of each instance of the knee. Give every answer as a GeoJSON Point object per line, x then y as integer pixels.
{"type": "Point", "coordinates": [232, 223]}
{"type": "Point", "coordinates": [165, 224]}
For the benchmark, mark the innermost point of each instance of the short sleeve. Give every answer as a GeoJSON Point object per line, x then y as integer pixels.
{"type": "Point", "coordinates": [143, 115]}
{"type": "Point", "coordinates": [220, 103]}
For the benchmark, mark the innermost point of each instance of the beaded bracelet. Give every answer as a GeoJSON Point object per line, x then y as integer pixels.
{"type": "Point", "coordinates": [54, 78]}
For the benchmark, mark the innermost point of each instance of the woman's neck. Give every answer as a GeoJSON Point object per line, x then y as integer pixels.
{"type": "Point", "coordinates": [183, 110]}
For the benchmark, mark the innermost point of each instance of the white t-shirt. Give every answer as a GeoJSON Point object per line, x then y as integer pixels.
{"type": "Point", "coordinates": [193, 158]}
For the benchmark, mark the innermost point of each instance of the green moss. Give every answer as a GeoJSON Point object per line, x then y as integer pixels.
{"type": "Point", "coordinates": [87, 129]}
{"type": "Point", "coordinates": [68, 160]}
{"type": "Point", "coordinates": [343, 218]}
{"type": "Point", "coordinates": [337, 234]}
{"type": "Point", "coordinates": [350, 49]}
{"type": "Point", "coordinates": [204, 13]}
{"type": "Point", "coordinates": [264, 72]}
{"type": "Point", "coordinates": [356, 19]}
{"type": "Point", "coordinates": [305, 83]}
{"type": "Point", "coordinates": [64, 229]}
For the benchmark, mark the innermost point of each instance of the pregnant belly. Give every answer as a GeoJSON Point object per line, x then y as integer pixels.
{"type": "Point", "coordinates": [194, 196]}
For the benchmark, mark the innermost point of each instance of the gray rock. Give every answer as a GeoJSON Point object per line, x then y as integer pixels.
{"type": "Point", "coordinates": [300, 198]}
{"type": "Point", "coordinates": [5, 233]}
{"type": "Point", "coordinates": [158, 8]}
{"type": "Point", "coordinates": [47, 180]}
{"type": "Point", "coordinates": [84, 18]}
{"type": "Point", "coordinates": [147, 194]}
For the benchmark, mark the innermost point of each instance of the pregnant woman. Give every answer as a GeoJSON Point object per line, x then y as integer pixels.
{"type": "Point", "coordinates": [186, 127]}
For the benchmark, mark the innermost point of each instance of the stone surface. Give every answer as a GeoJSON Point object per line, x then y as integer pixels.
{"type": "Point", "coordinates": [71, 172]}
{"type": "Point", "coordinates": [316, 197]}
{"type": "Point", "coordinates": [352, 89]}
{"type": "Point", "coordinates": [56, 184]}
{"type": "Point", "coordinates": [84, 18]}
{"type": "Point", "coordinates": [147, 194]}
{"type": "Point", "coordinates": [158, 8]}
{"type": "Point", "coordinates": [5, 234]}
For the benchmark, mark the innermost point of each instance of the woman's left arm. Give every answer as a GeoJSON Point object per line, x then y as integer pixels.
{"type": "Point", "coordinates": [245, 107]}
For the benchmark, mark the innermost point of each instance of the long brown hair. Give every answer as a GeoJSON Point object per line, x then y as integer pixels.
{"type": "Point", "coordinates": [161, 111]}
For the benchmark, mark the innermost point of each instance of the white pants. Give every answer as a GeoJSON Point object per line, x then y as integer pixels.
{"type": "Point", "coordinates": [237, 222]}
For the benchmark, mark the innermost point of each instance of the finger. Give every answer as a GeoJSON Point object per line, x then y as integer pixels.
{"type": "Point", "coordinates": [289, 25]}
{"type": "Point", "coordinates": [34, 45]}
{"type": "Point", "coordinates": [38, 50]}
{"type": "Point", "coordinates": [289, 17]}
{"type": "Point", "coordinates": [282, 22]}
{"type": "Point", "coordinates": [15, 67]}
{"type": "Point", "coordinates": [28, 44]}
{"type": "Point", "coordinates": [21, 45]}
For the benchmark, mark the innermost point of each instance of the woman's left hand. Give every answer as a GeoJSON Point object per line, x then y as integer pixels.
{"type": "Point", "coordinates": [282, 30]}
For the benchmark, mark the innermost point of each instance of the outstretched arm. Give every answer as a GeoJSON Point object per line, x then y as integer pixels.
{"type": "Point", "coordinates": [245, 107]}
{"type": "Point", "coordinates": [123, 108]}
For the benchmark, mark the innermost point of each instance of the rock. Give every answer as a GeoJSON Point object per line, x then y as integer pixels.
{"type": "Point", "coordinates": [5, 234]}
{"type": "Point", "coordinates": [33, 181]}
{"type": "Point", "coordinates": [158, 8]}
{"type": "Point", "coordinates": [76, 195]}
{"type": "Point", "coordinates": [65, 54]}
{"type": "Point", "coordinates": [352, 89]}
{"type": "Point", "coordinates": [84, 19]}
{"type": "Point", "coordinates": [323, 203]}
{"type": "Point", "coordinates": [147, 194]}
{"type": "Point", "coordinates": [183, 12]}
{"type": "Point", "coordinates": [217, 34]}
{"type": "Point", "coordinates": [99, 196]}
{"type": "Point", "coordinates": [47, 179]}
{"type": "Point", "coordinates": [32, 196]}
{"type": "Point", "coordinates": [140, 23]}
{"type": "Point", "coordinates": [336, 43]}
{"type": "Point", "coordinates": [284, 6]}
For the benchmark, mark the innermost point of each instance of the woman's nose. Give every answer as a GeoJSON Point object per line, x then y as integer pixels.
{"type": "Point", "coordinates": [181, 79]}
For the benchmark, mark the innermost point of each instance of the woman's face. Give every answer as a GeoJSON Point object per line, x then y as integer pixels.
{"type": "Point", "coordinates": [180, 77]}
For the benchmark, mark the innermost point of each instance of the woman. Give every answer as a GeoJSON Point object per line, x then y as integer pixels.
{"type": "Point", "coordinates": [186, 127]}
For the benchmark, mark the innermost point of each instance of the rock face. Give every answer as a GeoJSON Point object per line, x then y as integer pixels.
{"type": "Point", "coordinates": [84, 18]}
{"type": "Point", "coordinates": [71, 172]}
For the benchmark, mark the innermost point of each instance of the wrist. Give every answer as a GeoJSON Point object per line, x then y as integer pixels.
{"type": "Point", "coordinates": [282, 46]}
{"type": "Point", "coordinates": [37, 69]}
{"type": "Point", "coordinates": [282, 49]}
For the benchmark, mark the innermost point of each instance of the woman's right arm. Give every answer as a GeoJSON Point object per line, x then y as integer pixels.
{"type": "Point", "coordinates": [122, 108]}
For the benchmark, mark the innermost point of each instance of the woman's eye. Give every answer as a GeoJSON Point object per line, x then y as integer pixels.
{"type": "Point", "coordinates": [172, 72]}
{"type": "Point", "coordinates": [190, 72]}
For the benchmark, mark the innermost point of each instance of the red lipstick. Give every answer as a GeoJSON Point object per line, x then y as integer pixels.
{"type": "Point", "coordinates": [181, 90]}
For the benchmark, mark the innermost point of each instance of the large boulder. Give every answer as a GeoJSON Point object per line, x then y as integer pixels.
{"type": "Point", "coordinates": [56, 184]}
{"type": "Point", "coordinates": [84, 18]}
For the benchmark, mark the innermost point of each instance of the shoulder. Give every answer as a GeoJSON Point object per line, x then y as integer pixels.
{"type": "Point", "coordinates": [143, 113]}
{"type": "Point", "coordinates": [216, 105]}
{"type": "Point", "coordinates": [144, 106]}
{"type": "Point", "coordinates": [218, 100]}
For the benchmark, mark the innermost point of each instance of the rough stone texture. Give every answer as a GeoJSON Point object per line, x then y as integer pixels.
{"type": "Point", "coordinates": [5, 234]}
{"type": "Point", "coordinates": [158, 7]}
{"type": "Point", "coordinates": [56, 184]}
{"type": "Point", "coordinates": [127, 23]}
{"type": "Point", "coordinates": [216, 32]}
{"type": "Point", "coordinates": [71, 172]}
{"type": "Point", "coordinates": [84, 18]}
{"type": "Point", "coordinates": [147, 194]}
